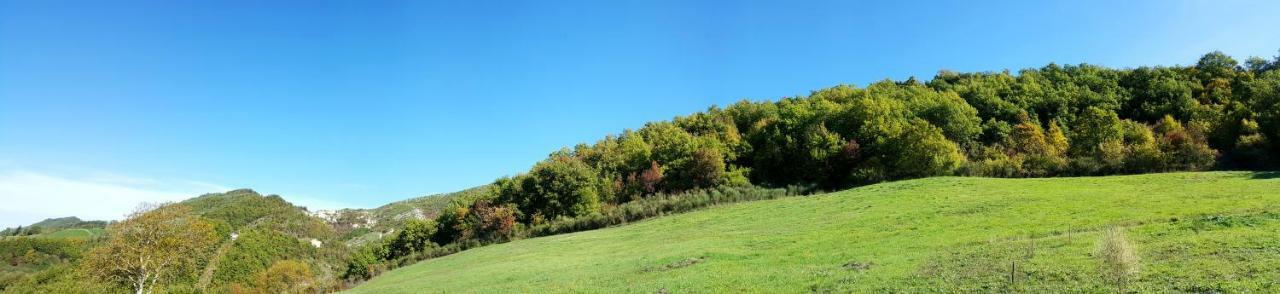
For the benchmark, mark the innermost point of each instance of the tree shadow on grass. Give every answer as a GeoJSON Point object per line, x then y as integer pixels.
{"type": "Point", "coordinates": [1265, 175]}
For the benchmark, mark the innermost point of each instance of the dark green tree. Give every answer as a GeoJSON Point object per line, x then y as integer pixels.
{"type": "Point", "coordinates": [561, 186]}
{"type": "Point", "coordinates": [414, 236]}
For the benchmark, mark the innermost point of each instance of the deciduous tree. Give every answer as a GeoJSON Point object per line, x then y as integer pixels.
{"type": "Point", "coordinates": [154, 245]}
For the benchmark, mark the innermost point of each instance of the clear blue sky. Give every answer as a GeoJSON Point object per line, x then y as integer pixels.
{"type": "Point", "coordinates": [358, 103]}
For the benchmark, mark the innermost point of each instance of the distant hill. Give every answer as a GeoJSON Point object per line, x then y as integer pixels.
{"type": "Point", "coordinates": [422, 207]}
{"type": "Point", "coordinates": [239, 209]}
{"type": "Point", "coordinates": [57, 222]}
{"type": "Point", "coordinates": [1205, 232]}
{"type": "Point", "coordinates": [258, 231]}
{"type": "Point", "coordinates": [368, 224]}
{"type": "Point", "coordinates": [50, 243]}
{"type": "Point", "coordinates": [68, 222]}
{"type": "Point", "coordinates": [53, 227]}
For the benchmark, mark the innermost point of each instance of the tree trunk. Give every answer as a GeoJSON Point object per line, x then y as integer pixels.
{"type": "Point", "coordinates": [141, 284]}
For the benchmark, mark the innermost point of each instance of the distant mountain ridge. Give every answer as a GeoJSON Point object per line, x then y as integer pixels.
{"type": "Point", "coordinates": [51, 225]}
{"type": "Point", "coordinates": [238, 208]}
{"type": "Point", "coordinates": [67, 222]}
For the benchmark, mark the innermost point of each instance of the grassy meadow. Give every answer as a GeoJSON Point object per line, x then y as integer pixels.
{"type": "Point", "coordinates": [1190, 232]}
{"type": "Point", "coordinates": [77, 233]}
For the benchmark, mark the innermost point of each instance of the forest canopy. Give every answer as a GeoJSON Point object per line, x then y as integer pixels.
{"type": "Point", "coordinates": [1055, 120]}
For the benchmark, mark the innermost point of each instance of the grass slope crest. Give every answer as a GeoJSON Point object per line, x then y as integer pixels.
{"type": "Point", "coordinates": [1200, 232]}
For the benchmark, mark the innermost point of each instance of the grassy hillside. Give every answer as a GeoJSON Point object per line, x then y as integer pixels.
{"type": "Point", "coordinates": [239, 209]}
{"type": "Point", "coordinates": [68, 222]}
{"type": "Point", "coordinates": [74, 233]}
{"type": "Point", "coordinates": [77, 233]}
{"type": "Point", "coordinates": [269, 230]}
{"type": "Point", "coordinates": [1194, 232]}
{"type": "Point", "coordinates": [73, 227]}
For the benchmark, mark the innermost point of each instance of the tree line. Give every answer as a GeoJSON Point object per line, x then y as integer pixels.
{"type": "Point", "coordinates": [1056, 120]}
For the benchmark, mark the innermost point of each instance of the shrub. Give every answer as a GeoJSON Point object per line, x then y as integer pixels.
{"type": "Point", "coordinates": [659, 205]}
{"type": "Point", "coordinates": [365, 262]}
{"type": "Point", "coordinates": [286, 276]}
{"type": "Point", "coordinates": [491, 222]}
{"type": "Point", "coordinates": [415, 236]}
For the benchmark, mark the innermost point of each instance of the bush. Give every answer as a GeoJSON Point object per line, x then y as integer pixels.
{"type": "Point", "coordinates": [415, 236]}
{"type": "Point", "coordinates": [365, 262]}
{"type": "Point", "coordinates": [492, 223]}
{"type": "Point", "coordinates": [658, 205]}
{"type": "Point", "coordinates": [286, 276]}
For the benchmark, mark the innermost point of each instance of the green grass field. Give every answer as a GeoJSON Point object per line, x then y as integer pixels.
{"type": "Point", "coordinates": [76, 233]}
{"type": "Point", "coordinates": [69, 233]}
{"type": "Point", "coordinates": [1193, 232]}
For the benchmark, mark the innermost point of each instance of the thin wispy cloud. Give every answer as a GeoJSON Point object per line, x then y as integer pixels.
{"type": "Point", "coordinates": [30, 196]}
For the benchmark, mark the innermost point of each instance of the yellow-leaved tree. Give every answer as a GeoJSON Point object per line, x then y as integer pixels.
{"type": "Point", "coordinates": [155, 244]}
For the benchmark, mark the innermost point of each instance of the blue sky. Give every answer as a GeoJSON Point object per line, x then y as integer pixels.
{"type": "Point", "coordinates": [104, 104]}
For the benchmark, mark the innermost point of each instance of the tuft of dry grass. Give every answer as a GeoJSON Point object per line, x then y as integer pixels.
{"type": "Point", "coordinates": [1119, 261]}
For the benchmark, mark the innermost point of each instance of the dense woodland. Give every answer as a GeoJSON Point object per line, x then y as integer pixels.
{"type": "Point", "coordinates": [1072, 120]}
